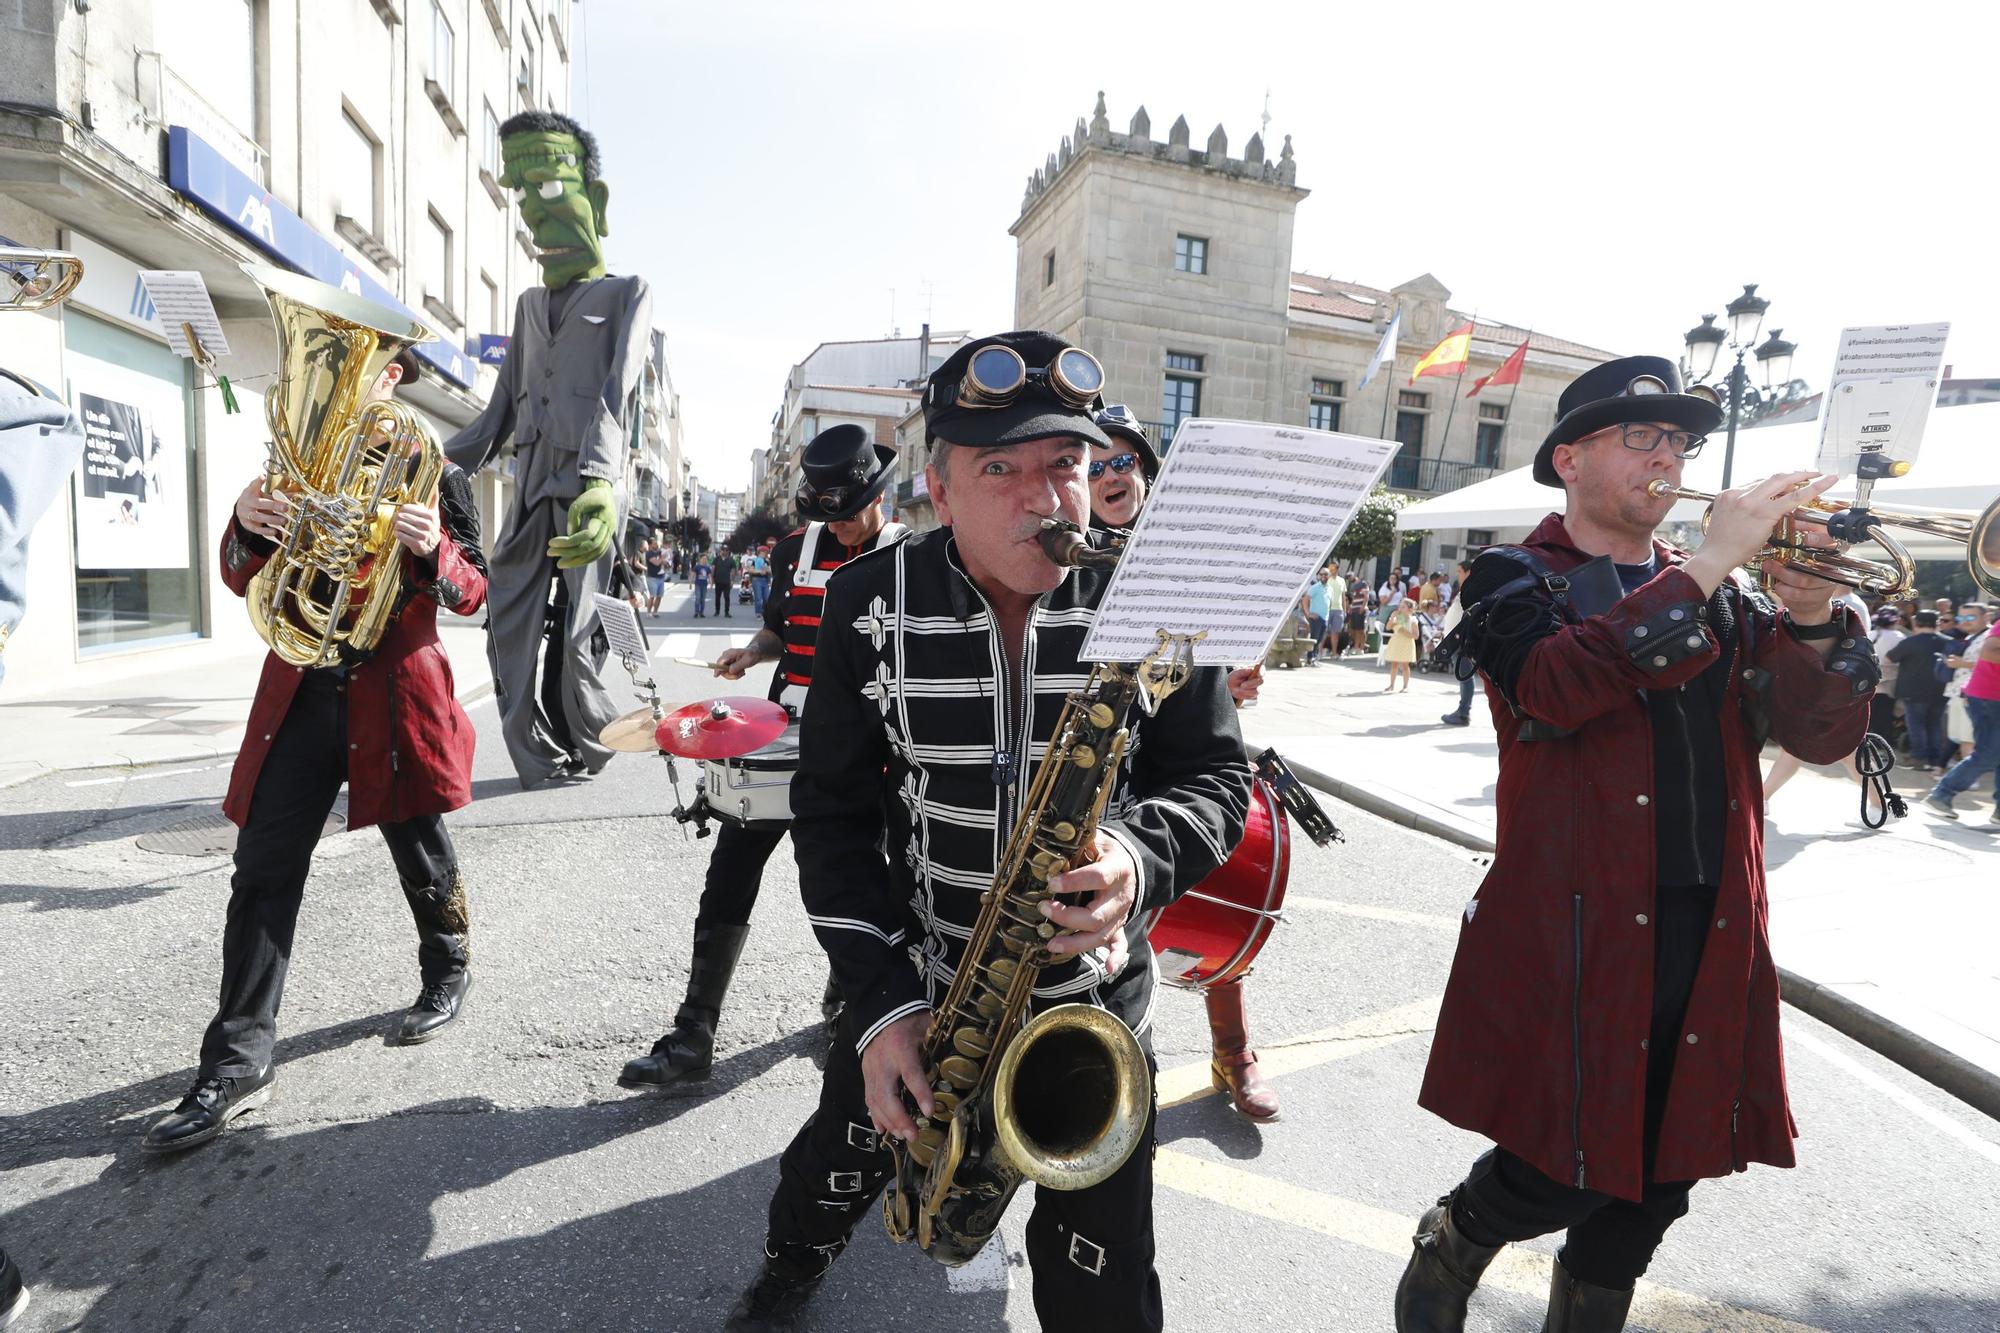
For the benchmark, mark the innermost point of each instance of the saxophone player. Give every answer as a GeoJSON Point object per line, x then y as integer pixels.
{"type": "Point", "coordinates": [942, 662]}
{"type": "Point", "coordinates": [391, 728]}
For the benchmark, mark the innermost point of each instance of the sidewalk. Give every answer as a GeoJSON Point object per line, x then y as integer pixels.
{"type": "Point", "coordinates": [195, 711]}
{"type": "Point", "coordinates": [1886, 935]}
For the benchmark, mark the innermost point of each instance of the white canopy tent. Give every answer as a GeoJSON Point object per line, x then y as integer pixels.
{"type": "Point", "coordinates": [1957, 468]}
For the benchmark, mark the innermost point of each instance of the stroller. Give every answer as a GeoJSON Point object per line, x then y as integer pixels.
{"type": "Point", "coordinates": [1430, 633]}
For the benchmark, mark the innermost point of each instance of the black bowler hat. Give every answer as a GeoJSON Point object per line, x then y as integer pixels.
{"type": "Point", "coordinates": [841, 470]}
{"type": "Point", "coordinates": [1632, 388]}
{"type": "Point", "coordinates": [1036, 412]}
{"type": "Point", "coordinates": [1122, 425]}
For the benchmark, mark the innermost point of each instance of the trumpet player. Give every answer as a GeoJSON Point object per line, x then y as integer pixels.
{"type": "Point", "coordinates": [942, 662]}
{"type": "Point", "coordinates": [390, 727]}
{"type": "Point", "coordinates": [1611, 1022]}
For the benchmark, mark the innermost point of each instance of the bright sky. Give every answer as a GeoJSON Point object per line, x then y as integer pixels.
{"type": "Point", "coordinates": [1597, 171]}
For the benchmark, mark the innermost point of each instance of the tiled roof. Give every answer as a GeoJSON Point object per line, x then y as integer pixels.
{"type": "Point", "coordinates": [1352, 300]}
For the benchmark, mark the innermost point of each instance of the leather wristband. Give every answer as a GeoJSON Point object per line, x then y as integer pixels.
{"type": "Point", "coordinates": [1832, 629]}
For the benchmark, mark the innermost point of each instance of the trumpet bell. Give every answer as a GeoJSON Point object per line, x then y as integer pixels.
{"type": "Point", "coordinates": [1982, 551]}
{"type": "Point", "coordinates": [36, 279]}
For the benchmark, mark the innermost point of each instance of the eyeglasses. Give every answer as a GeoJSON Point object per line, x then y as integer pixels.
{"type": "Point", "coordinates": [1644, 438]}
{"type": "Point", "coordinates": [1121, 465]}
{"type": "Point", "coordinates": [996, 375]}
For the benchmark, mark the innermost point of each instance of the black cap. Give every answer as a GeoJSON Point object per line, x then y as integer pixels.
{"type": "Point", "coordinates": [1604, 396]}
{"type": "Point", "coordinates": [1122, 425]}
{"type": "Point", "coordinates": [1035, 414]}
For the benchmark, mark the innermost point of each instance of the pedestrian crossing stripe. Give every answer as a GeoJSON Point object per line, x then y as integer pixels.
{"type": "Point", "coordinates": [694, 643]}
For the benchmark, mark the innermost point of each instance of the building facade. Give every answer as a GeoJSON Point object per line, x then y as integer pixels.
{"type": "Point", "coordinates": [352, 140]}
{"type": "Point", "coordinates": [1174, 266]}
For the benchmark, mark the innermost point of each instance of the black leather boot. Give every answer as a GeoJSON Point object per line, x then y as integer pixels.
{"type": "Point", "coordinates": [688, 1050]}
{"type": "Point", "coordinates": [13, 1291]}
{"type": "Point", "coordinates": [1578, 1307]}
{"type": "Point", "coordinates": [206, 1111]}
{"type": "Point", "coordinates": [1441, 1276]}
{"type": "Point", "coordinates": [444, 958]}
{"type": "Point", "coordinates": [774, 1300]}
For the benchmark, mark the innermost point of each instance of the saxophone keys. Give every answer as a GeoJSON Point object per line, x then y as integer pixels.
{"type": "Point", "coordinates": [989, 1006]}
{"type": "Point", "coordinates": [1101, 715]}
{"type": "Point", "coordinates": [945, 1101]}
{"type": "Point", "coordinates": [924, 1148]}
{"type": "Point", "coordinates": [1083, 756]}
{"type": "Point", "coordinates": [1046, 864]}
{"type": "Point", "coordinates": [972, 1042]}
{"type": "Point", "coordinates": [1063, 831]}
{"type": "Point", "coordinates": [1002, 971]}
{"type": "Point", "coordinates": [959, 1071]}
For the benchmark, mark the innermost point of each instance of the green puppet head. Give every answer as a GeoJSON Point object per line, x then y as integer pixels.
{"type": "Point", "coordinates": [550, 163]}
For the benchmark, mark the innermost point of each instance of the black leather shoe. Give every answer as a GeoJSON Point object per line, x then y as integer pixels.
{"type": "Point", "coordinates": [13, 1291]}
{"type": "Point", "coordinates": [1456, 720]}
{"type": "Point", "coordinates": [682, 1055]}
{"type": "Point", "coordinates": [438, 1005]}
{"type": "Point", "coordinates": [772, 1303]}
{"type": "Point", "coordinates": [1441, 1275]}
{"type": "Point", "coordinates": [1578, 1307]}
{"type": "Point", "coordinates": [206, 1111]}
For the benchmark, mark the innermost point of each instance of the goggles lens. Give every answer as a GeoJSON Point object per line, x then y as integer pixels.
{"type": "Point", "coordinates": [996, 375]}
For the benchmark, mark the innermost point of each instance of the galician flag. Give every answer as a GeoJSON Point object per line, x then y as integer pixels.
{"type": "Point", "coordinates": [1508, 373]}
{"type": "Point", "coordinates": [1448, 357]}
{"type": "Point", "coordinates": [1385, 351]}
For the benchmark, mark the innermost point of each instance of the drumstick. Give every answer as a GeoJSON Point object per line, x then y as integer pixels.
{"type": "Point", "coordinates": [697, 662]}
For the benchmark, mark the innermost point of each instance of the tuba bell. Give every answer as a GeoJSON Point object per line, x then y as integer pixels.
{"type": "Point", "coordinates": [329, 592]}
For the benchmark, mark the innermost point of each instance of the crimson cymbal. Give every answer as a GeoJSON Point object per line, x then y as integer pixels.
{"type": "Point", "coordinates": [632, 733]}
{"type": "Point", "coordinates": [721, 728]}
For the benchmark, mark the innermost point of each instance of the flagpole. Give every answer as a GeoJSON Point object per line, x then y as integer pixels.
{"type": "Point", "coordinates": [1445, 440]}
{"type": "Point", "coordinates": [1507, 421]}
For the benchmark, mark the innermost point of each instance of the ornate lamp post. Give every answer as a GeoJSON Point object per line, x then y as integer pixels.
{"type": "Point", "coordinates": [1705, 343]}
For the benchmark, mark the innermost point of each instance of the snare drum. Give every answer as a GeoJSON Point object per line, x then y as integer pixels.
{"type": "Point", "coordinates": [754, 790]}
{"type": "Point", "coordinates": [1211, 934]}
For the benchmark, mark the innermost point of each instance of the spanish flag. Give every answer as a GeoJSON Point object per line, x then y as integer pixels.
{"type": "Point", "coordinates": [1448, 357]}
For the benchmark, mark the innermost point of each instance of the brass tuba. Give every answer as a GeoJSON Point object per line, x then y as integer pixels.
{"type": "Point", "coordinates": [1849, 524]}
{"type": "Point", "coordinates": [1060, 1099]}
{"type": "Point", "coordinates": [346, 464]}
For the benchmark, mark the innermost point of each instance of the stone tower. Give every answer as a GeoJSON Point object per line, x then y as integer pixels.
{"type": "Point", "coordinates": [1143, 250]}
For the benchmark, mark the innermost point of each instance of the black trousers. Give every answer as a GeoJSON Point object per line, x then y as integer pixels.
{"type": "Point", "coordinates": [1610, 1242]}
{"type": "Point", "coordinates": [295, 792]}
{"type": "Point", "coordinates": [723, 593]}
{"type": "Point", "coordinates": [1090, 1250]}
{"type": "Point", "coordinates": [735, 875]}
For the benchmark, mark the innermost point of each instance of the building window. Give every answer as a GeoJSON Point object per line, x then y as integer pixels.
{"type": "Point", "coordinates": [493, 324]}
{"type": "Point", "coordinates": [1409, 398]}
{"type": "Point", "coordinates": [1492, 428]}
{"type": "Point", "coordinates": [1477, 539]}
{"type": "Point", "coordinates": [489, 143]}
{"type": "Point", "coordinates": [1049, 269]}
{"type": "Point", "coordinates": [524, 77]}
{"type": "Point", "coordinates": [437, 260]}
{"type": "Point", "coordinates": [1190, 254]}
{"type": "Point", "coordinates": [441, 50]}
{"type": "Point", "coordinates": [1184, 361]}
{"type": "Point", "coordinates": [358, 169]}
{"type": "Point", "coordinates": [1323, 410]}
{"type": "Point", "coordinates": [1180, 398]}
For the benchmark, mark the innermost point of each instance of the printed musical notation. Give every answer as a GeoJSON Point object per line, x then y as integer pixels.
{"type": "Point", "coordinates": [1240, 518]}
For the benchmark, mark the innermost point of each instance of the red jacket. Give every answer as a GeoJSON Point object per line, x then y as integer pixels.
{"type": "Point", "coordinates": [1540, 1045]}
{"type": "Point", "coordinates": [409, 743]}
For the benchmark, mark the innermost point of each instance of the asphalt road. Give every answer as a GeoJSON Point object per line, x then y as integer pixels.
{"type": "Point", "coordinates": [499, 1179]}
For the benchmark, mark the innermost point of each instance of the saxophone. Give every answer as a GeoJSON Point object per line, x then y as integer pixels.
{"type": "Point", "coordinates": [1061, 1099]}
{"type": "Point", "coordinates": [329, 592]}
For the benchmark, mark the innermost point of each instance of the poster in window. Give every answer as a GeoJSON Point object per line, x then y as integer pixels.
{"type": "Point", "coordinates": [131, 498]}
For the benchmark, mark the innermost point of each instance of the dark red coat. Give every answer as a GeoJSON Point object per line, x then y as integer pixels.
{"type": "Point", "coordinates": [1540, 1045]}
{"type": "Point", "coordinates": [409, 743]}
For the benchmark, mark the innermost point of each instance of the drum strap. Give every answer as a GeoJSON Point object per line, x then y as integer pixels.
{"type": "Point", "coordinates": [808, 574]}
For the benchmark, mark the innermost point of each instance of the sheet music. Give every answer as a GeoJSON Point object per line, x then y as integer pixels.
{"type": "Point", "coordinates": [621, 626]}
{"type": "Point", "coordinates": [180, 297]}
{"type": "Point", "coordinates": [1885, 379]}
{"type": "Point", "coordinates": [1242, 515]}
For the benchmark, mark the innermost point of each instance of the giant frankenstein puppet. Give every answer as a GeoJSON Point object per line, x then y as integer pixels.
{"type": "Point", "coordinates": [567, 394]}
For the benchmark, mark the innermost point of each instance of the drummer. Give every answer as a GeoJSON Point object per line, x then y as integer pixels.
{"type": "Point", "coordinates": [842, 476]}
{"type": "Point", "coordinates": [1119, 475]}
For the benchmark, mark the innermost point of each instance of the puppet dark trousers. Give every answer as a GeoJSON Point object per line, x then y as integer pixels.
{"type": "Point", "coordinates": [517, 599]}
{"type": "Point", "coordinates": [1090, 1250]}
{"type": "Point", "coordinates": [1610, 1241]}
{"type": "Point", "coordinates": [295, 792]}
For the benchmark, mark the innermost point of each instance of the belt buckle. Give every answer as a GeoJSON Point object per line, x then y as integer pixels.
{"type": "Point", "coordinates": [1095, 1264]}
{"type": "Point", "coordinates": [834, 1179]}
{"type": "Point", "coordinates": [863, 1137]}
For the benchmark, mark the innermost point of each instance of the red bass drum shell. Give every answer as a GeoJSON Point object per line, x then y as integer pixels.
{"type": "Point", "coordinates": [1224, 920]}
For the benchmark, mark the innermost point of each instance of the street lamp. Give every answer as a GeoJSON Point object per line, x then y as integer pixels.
{"type": "Point", "coordinates": [1705, 343]}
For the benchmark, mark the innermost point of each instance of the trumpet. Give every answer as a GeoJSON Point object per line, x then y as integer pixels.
{"type": "Point", "coordinates": [1850, 525]}
{"type": "Point", "coordinates": [33, 279]}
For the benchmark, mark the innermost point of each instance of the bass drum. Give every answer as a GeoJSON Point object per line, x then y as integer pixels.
{"type": "Point", "coordinates": [1212, 934]}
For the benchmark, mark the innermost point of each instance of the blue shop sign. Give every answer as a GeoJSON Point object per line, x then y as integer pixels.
{"type": "Point", "coordinates": [222, 190]}
{"type": "Point", "coordinates": [488, 349]}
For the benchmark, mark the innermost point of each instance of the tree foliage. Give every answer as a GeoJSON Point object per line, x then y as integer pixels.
{"type": "Point", "coordinates": [763, 524]}
{"type": "Point", "coordinates": [1372, 533]}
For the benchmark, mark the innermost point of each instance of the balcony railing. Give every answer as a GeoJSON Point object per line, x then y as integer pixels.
{"type": "Point", "coordinates": [1432, 476]}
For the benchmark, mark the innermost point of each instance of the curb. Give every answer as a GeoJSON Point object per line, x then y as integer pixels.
{"type": "Point", "coordinates": [1976, 1087]}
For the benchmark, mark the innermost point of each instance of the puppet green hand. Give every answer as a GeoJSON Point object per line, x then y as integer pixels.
{"type": "Point", "coordinates": [590, 518]}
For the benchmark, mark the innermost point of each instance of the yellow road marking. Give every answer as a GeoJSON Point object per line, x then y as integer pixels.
{"type": "Point", "coordinates": [1522, 1272]}
{"type": "Point", "coordinates": [1189, 1083]}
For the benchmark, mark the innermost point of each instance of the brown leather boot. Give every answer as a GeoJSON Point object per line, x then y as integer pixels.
{"type": "Point", "coordinates": [1578, 1307]}
{"type": "Point", "coordinates": [1234, 1068]}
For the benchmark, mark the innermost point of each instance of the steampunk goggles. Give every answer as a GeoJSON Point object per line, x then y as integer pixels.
{"type": "Point", "coordinates": [996, 376]}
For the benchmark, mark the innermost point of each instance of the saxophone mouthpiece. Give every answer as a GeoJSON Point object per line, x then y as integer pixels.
{"type": "Point", "coordinates": [1066, 544]}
